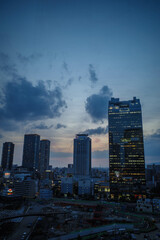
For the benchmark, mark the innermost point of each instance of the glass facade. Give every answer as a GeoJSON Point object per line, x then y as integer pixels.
{"type": "Point", "coordinates": [44, 155]}
{"type": "Point", "coordinates": [126, 149]}
{"type": "Point", "coordinates": [82, 155]}
{"type": "Point", "coordinates": [7, 155]}
{"type": "Point", "coordinates": [31, 151]}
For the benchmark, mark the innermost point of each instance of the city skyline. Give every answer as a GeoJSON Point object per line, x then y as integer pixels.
{"type": "Point", "coordinates": [62, 61]}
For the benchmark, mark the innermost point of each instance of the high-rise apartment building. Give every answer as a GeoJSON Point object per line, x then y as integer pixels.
{"type": "Point", "coordinates": [82, 155]}
{"type": "Point", "coordinates": [44, 155]}
{"type": "Point", "coordinates": [31, 151]}
{"type": "Point", "coordinates": [7, 155]}
{"type": "Point", "coordinates": [126, 149]}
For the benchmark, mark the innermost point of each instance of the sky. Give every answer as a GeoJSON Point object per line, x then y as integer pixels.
{"type": "Point", "coordinates": [62, 60]}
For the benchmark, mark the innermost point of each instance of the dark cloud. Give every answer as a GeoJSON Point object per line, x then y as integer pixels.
{"type": "Point", "coordinates": [92, 74]}
{"type": "Point", "coordinates": [59, 125]}
{"type": "Point", "coordinates": [41, 126]}
{"type": "Point", "coordinates": [96, 105]}
{"type": "Point", "coordinates": [100, 154]}
{"type": "Point", "coordinates": [6, 67]}
{"type": "Point", "coordinates": [29, 59]}
{"type": "Point", "coordinates": [1, 136]}
{"type": "Point", "coordinates": [8, 125]}
{"type": "Point", "coordinates": [105, 91]}
{"type": "Point", "coordinates": [24, 102]}
{"type": "Point", "coordinates": [96, 131]}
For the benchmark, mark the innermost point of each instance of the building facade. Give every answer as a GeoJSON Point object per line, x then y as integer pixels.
{"type": "Point", "coordinates": [7, 155]}
{"type": "Point", "coordinates": [126, 148]}
{"type": "Point", "coordinates": [31, 149]}
{"type": "Point", "coordinates": [82, 155]}
{"type": "Point", "coordinates": [67, 185]}
{"type": "Point", "coordinates": [44, 155]}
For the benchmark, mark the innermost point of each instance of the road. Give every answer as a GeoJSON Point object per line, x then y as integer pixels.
{"type": "Point", "coordinates": [22, 227]}
{"type": "Point", "coordinates": [90, 231]}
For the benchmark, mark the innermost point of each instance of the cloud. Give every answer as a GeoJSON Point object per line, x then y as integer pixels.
{"type": "Point", "coordinates": [29, 59]}
{"type": "Point", "coordinates": [152, 144]}
{"type": "Point", "coordinates": [79, 78]}
{"type": "Point", "coordinates": [156, 134]}
{"type": "Point", "coordinates": [92, 74]}
{"type": "Point", "coordinates": [61, 154]}
{"type": "Point", "coordinates": [65, 66]}
{"type": "Point", "coordinates": [59, 125]}
{"type": "Point", "coordinates": [100, 154]}
{"type": "Point", "coordinates": [96, 105]}
{"type": "Point", "coordinates": [41, 126]}
{"type": "Point", "coordinates": [96, 131]}
{"type": "Point", "coordinates": [24, 102]}
{"type": "Point", "coordinates": [69, 83]}
{"type": "Point", "coordinates": [6, 67]}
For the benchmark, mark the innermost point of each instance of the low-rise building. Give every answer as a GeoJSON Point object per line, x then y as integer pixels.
{"type": "Point", "coordinates": [148, 205]}
{"type": "Point", "coordinates": [84, 186]}
{"type": "Point", "coordinates": [45, 193]}
{"type": "Point", "coordinates": [67, 185]}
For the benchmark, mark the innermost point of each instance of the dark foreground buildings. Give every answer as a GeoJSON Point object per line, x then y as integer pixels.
{"type": "Point", "coordinates": [126, 149]}
{"type": "Point", "coordinates": [31, 149]}
{"type": "Point", "coordinates": [44, 155]}
{"type": "Point", "coordinates": [7, 155]}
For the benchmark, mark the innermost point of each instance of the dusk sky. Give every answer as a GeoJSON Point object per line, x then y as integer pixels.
{"type": "Point", "coordinates": [62, 60]}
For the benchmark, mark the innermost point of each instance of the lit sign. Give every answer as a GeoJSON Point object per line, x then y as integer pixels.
{"type": "Point", "coordinates": [7, 174]}
{"type": "Point", "coordinates": [10, 190]}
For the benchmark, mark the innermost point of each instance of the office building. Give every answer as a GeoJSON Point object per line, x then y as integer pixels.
{"type": "Point", "coordinates": [7, 155]}
{"type": "Point", "coordinates": [45, 193]}
{"type": "Point", "coordinates": [30, 187]}
{"type": "Point", "coordinates": [31, 151]}
{"type": "Point", "coordinates": [67, 185]}
{"type": "Point", "coordinates": [84, 187]}
{"type": "Point", "coordinates": [44, 155]}
{"type": "Point", "coordinates": [126, 149]}
{"type": "Point", "coordinates": [82, 155]}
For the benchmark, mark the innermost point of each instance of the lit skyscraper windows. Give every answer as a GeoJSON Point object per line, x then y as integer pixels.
{"type": "Point", "coordinates": [126, 149]}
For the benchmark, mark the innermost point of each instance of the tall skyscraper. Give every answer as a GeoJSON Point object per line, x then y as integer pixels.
{"type": "Point", "coordinates": [82, 155]}
{"type": "Point", "coordinates": [44, 155]}
{"type": "Point", "coordinates": [126, 149]}
{"type": "Point", "coordinates": [7, 155]}
{"type": "Point", "coordinates": [31, 151]}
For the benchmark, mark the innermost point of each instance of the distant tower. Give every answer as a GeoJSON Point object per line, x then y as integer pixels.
{"type": "Point", "coordinates": [126, 148]}
{"type": "Point", "coordinates": [44, 155]}
{"type": "Point", "coordinates": [7, 155]}
{"type": "Point", "coordinates": [31, 151]}
{"type": "Point", "coordinates": [82, 155]}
